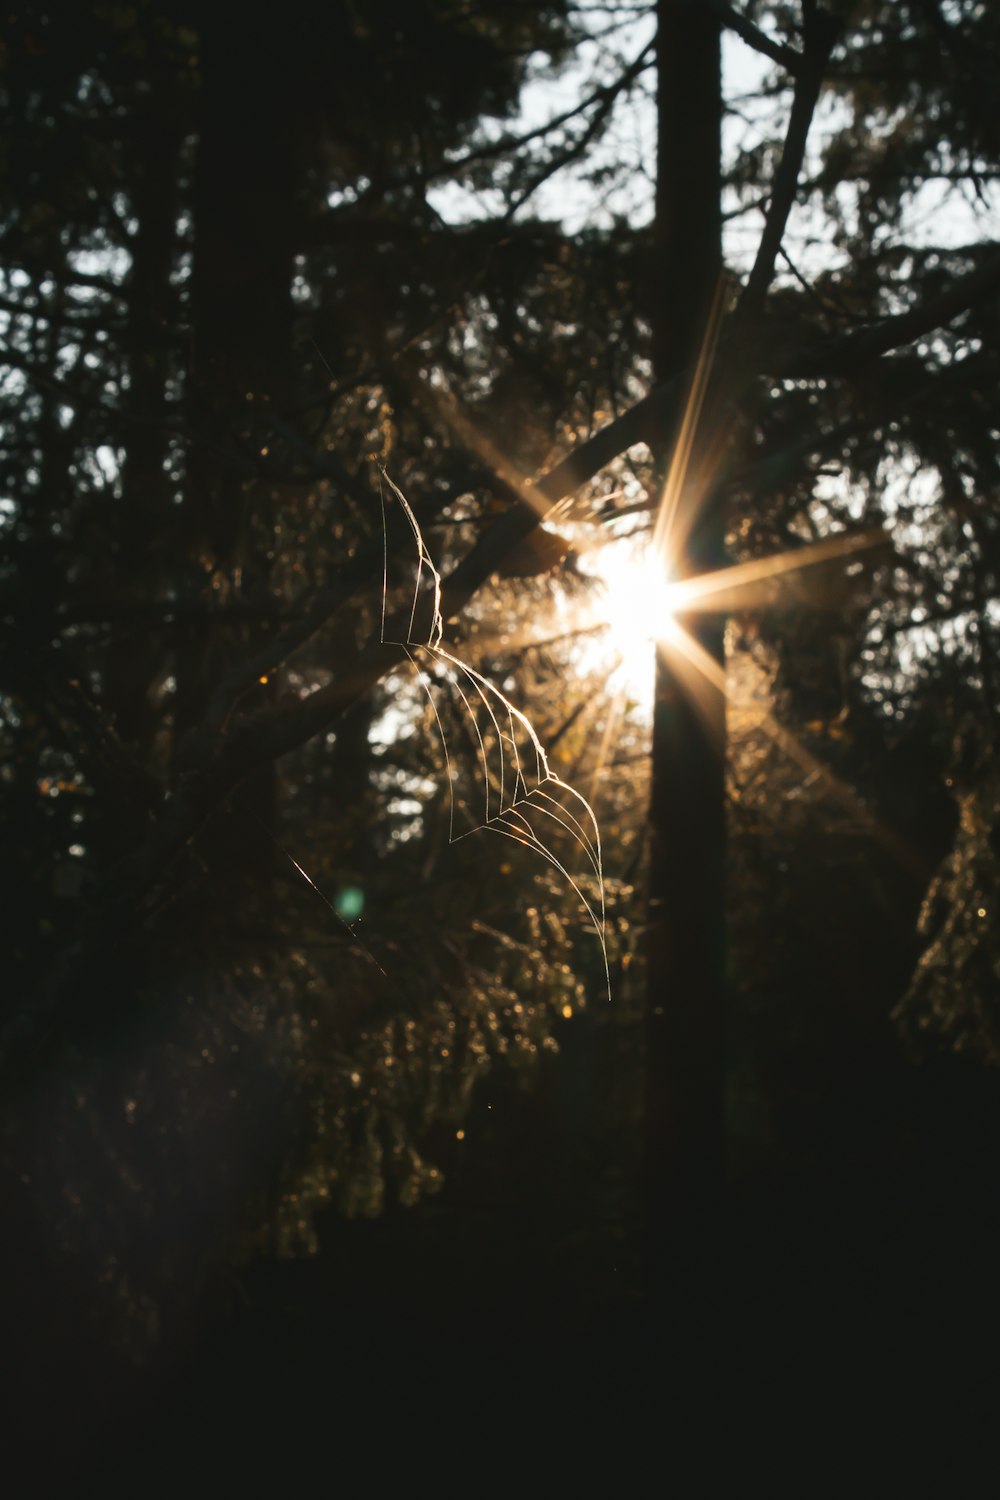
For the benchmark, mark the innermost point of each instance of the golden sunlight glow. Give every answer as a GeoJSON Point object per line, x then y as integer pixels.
{"type": "Point", "coordinates": [638, 600]}
{"type": "Point", "coordinates": [776, 579]}
{"type": "Point", "coordinates": [632, 611]}
{"type": "Point", "coordinates": [636, 604]}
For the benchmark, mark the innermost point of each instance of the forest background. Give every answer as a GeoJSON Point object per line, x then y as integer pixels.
{"type": "Point", "coordinates": [295, 309]}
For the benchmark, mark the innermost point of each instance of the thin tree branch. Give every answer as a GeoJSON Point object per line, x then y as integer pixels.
{"type": "Point", "coordinates": [572, 149]}
{"type": "Point", "coordinates": [604, 96]}
{"type": "Point", "coordinates": [820, 32]}
{"type": "Point", "coordinates": [851, 352]}
{"type": "Point", "coordinates": [778, 52]}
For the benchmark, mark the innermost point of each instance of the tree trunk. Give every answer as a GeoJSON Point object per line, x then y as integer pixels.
{"type": "Point", "coordinates": [134, 654]}
{"type": "Point", "coordinates": [246, 199]}
{"type": "Point", "coordinates": [685, 1019]}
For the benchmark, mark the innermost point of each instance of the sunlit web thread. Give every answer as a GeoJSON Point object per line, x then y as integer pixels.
{"type": "Point", "coordinates": [361, 947]}
{"type": "Point", "coordinates": [544, 798]}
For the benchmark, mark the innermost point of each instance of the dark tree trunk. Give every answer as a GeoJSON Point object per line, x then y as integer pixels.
{"type": "Point", "coordinates": [685, 1084]}
{"type": "Point", "coordinates": [246, 201]}
{"type": "Point", "coordinates": [134, 654]}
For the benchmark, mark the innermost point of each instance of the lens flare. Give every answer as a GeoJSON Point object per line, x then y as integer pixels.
{"type": "Point", "coordinates": [635, 602]}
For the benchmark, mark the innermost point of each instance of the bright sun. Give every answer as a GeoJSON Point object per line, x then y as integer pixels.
{"type": "Point", "coordinates": [636, 603]}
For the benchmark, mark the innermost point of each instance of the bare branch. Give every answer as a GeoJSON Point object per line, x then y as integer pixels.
{"type": "Point", "coordinates": [731, 19]}
{"type": "Point", "coordinates": [838, 356]}
{"type": "Point", "coordinates": [604, 96]}
{"type": "Point", "coordinates": [570, 152]}
{"type": "Point", "coordinates": [853, 351]}
{"type": "Point", "coordinates": [820, 34]}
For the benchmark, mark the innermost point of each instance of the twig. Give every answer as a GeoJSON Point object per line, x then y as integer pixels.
{"type": "Point", "coordinates": [778, 52]}
{"type": "Point", "coordinates": [820, 32]}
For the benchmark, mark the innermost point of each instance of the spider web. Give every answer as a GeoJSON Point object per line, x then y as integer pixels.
{"type": "Point", "coordinates": [523, 798]}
